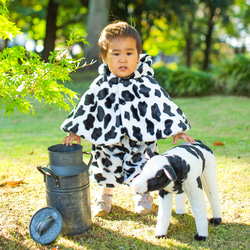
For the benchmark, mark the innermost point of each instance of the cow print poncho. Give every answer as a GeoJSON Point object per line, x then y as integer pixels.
{"type": "Point", "coordinates": [135, 106]}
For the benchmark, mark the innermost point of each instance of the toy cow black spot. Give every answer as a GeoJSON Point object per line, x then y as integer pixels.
{"type": "Point", "coordinates": [182, 170]}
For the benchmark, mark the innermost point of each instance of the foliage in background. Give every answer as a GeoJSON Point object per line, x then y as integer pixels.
{"type": "Point", "coordinates": [163, 39]}
{"type": "Point", "coordinates": [162, 74]}
{"type": "Point", "coordinates": [8, 30]}
{"type": "Point", "coordinates": [229, 76]}
{"type": "Point", "coordinates": [46, 22]}
{"type": "Point", "coordinates": [233, 75]}
{"type": "Point", "coordinates": [184, 82]}
{"type": "Point", "coordinates": [200, 31]}
{"type": "Point", "coordinates": [24, 77]}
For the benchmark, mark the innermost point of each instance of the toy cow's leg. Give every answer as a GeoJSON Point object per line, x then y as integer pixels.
{"type": "Point", "coordinates": [180, 203]}
{"type": "Point", "coordinates": [210, 186]}
{"type": "Point", "coordinates": [198, 205]}
{"type": "Point", "coordinates": [164, 214]}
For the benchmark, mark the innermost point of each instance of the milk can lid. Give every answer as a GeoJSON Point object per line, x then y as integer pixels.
{"type": "Point", "coordinates": [45, 225]}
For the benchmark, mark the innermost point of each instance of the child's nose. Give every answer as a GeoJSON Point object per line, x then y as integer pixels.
{"type": "Point", "coordinates": [123, 58]}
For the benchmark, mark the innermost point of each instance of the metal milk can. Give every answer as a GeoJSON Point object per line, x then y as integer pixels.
{"type": "Point", "coordinates": [67, 187]}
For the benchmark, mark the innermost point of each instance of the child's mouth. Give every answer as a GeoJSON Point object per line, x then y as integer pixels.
{"type": "Point", "coordinates": [123, 68]}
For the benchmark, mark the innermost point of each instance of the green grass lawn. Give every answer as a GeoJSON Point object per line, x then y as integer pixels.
{"type": "Point", "coordinates": [23, 146]}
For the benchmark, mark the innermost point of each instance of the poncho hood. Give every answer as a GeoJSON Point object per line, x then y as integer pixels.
{"type": "Point", "coordinates": [135, 106]}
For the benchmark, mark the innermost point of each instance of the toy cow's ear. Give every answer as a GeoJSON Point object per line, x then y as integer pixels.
{"type": "Point", "coordinates": [149, 154]}
{"type": "Point", "coordinates": [170, 173]}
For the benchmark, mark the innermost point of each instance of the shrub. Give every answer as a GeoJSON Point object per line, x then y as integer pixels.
{"type": "Point", "coordinates": [233, 76]}
{"type": "Point", "coordinates": [162, 74]}
{"type": "Point", "coordinates": [184, 82]}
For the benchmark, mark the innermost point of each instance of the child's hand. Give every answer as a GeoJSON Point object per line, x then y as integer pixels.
{"type": "Point", "coordinates": [184, 136]}
{"type": "Point", "coordinates": [68, 140]}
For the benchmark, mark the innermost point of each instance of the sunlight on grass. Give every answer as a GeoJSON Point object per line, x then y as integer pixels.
{"type": "Point", "coordinates": [24, 143]}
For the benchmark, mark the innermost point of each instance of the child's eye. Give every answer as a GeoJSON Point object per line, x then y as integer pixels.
{"type": "Point", "coordinates": [129, 53]}
{"type": "Point", "coordinates": [116, 54]}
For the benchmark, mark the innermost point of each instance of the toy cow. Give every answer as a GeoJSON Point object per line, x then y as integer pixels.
{"type": "Point", "coordinates": [184, 169]}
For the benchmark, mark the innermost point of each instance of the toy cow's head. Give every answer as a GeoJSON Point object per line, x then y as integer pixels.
{"type": "Point", "coordinates": [156, 174]}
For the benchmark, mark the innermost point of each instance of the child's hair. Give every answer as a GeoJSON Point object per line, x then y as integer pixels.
{"type": "Point", "coordinates": [118, 30]}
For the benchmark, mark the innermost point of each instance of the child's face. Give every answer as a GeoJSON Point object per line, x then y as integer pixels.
{"type": "Point", "coordinates": [122, 56]}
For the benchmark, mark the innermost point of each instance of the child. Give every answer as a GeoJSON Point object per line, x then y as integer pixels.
{"type": "Point", "coordinates": [123, 112]}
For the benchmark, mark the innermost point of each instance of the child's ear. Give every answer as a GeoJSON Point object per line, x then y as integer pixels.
{"type": "Point", "coordinates": [104, 60]}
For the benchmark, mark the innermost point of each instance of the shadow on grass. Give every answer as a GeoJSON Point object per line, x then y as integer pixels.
{"type": "Point", "coordinates": [14, 243]}
{"type": "Point", "coordinates": [182, 228]}
{"type": "Point", "coordinates": [103, 238]}
{"type": "Point", "coordinates": [120, 213]}
{"type": "Point", "coordinates": [96, 238]}
{"type": "Point", "coordinates": [180, 235]}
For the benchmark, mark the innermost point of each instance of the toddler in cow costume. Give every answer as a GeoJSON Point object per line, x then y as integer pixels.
{"type": "Point", "coordinates": [124, 112]}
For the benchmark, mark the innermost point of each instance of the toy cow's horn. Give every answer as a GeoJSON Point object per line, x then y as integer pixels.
{"type": "Point", "coordinates": [149, 154]}
{"type": "Point", "coordinates": [170, 173]}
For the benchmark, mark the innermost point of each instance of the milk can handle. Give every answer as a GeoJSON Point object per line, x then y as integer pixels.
{"type": "Point", "coordinates": [49, 172]}
{"type": "Point", "coordinates": [44, 224]}
{"type": "Point", "coordinates": [91, 157]}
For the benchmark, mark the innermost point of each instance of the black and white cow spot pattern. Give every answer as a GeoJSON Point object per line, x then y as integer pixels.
{"type": "Point", "coordinates": [135, 106]}
{"type": "Point", "coordinates": [116, 164]}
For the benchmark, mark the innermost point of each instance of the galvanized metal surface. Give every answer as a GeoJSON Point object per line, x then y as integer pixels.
{"type": "Point", "coordinates": [67, 187]}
